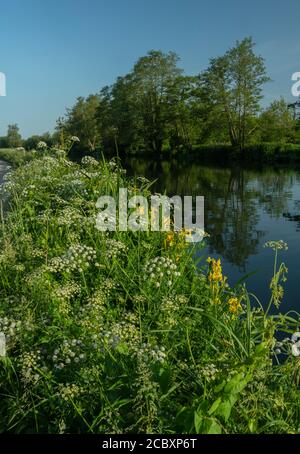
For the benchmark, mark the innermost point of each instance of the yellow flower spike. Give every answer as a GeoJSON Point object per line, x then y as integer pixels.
{"type": "Point", "coordinates": [215, 273]}
{"type": "Point", "coordinates": [170, 239]}
{"type": "Point", "coordinates": [234, 305]}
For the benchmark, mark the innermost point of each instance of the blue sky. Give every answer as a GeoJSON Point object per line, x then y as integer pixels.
{"type": "Point", "coordinates": [55, 50]}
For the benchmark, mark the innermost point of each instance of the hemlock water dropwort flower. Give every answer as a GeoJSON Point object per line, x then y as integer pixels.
{"type": "Point", "coordinates": [277, 245]}
{"type": "Point", "coordinates": [41, 145]}
{"type": "Point", "coordinates": [295, 348]}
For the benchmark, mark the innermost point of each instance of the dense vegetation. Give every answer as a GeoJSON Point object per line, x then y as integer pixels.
{"type": "Point", "coordinates": [156, 107]}
{"type": "Point", "coordinates": [124, 332]}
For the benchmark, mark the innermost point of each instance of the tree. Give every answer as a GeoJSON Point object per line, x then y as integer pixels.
{"type": "Point", "coordinates": [233, 84]}
{"type": "Point", "coordinates": [147, 108]}
{"type": "Point", "coordinates": [127, 119]}
{"type": "Point", "coordinates": [81, 121]}
{"type": "Point", "coordinates": [277, 123]}
{"type": "Point", "coordinates": [14, 138]}
{"type": "Point", "coordinates": [3, 142]}
{"type": "Point", "coordinates": [31, 142]}
{"type": "Point", "coordinates": [153, 77]}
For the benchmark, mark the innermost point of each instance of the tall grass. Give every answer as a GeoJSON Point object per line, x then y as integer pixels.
{"type": "Point", "coordinates": [123, 332]}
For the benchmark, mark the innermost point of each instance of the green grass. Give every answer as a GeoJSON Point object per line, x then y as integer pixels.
{"type": "Point", "coordinates": [16, 157]}
{"type": "Point", "coordinates": [123, 332]}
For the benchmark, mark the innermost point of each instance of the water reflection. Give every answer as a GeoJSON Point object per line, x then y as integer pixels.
{"type": "Point", "coordinates": [243, 208]}
{"type": "Point", "coordinates": [233, 200]}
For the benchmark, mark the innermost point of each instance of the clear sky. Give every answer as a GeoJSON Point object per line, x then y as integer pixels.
{"type": "Point", "coordinates": [55, 50]}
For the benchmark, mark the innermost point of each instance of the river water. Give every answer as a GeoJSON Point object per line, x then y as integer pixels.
{"type": "Point", "coordinates": [244, 208]}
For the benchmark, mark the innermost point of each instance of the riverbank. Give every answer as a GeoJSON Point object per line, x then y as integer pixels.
{"type": "Point", "coordinates": [122, 332]}
{"type": "Point", "coordinates": [224, 153]}
{"type": "Point", "coordinates": [16, 157]}
{"type": "Point", "coordinates": [263, 153]}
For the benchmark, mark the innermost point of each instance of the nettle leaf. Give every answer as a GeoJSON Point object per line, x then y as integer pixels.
{"type": "Point", "coordinates": [224, 409]}
{"type": "Point", "coordinates": [198, 419]}
{"type": "Point", "coordinates": [212, 427]}
{"type": "Point", "coordinates": [205, 425]}
{"type": "Point", "coordinates": [214, 406]}
{"type": "Point", "coordinates": [229, 394]}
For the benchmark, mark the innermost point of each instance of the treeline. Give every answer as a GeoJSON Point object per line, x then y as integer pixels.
{"type": "Point", "coordinates": [13, 139]}
{"type": "Point", "coordinates": [156, 107]}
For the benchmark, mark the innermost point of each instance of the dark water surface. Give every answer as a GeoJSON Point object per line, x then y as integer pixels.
{"type": "Point", "coordinates": [244, 208]}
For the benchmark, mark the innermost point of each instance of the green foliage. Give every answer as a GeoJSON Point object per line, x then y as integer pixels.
{"type": "Point", "coordinates": [277, 123]}
{"type": "Point", "coordinates": [233, 86]}
{"type": "Point", "coordinates": [123, 332]}
{"type": "Point", "coordinates": [16, 157]}
{"type": "Point", "coordinates": [157, 109]}
{"type": "Point", "coordinates": [81, 121]}
{"type": "Point", "coordinates": [13, 137]}
{"type": "Point", "coordinates": [31, 142]}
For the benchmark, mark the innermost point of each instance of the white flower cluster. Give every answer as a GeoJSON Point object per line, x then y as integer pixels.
{"type": "Point", "coordinates": [41, 145]}
{"type": "Point", "coordinates": [69, 392]}
{"type": "Point", "coordinates": [70, 352]}
{"type": "Point", "coordinates": [209, 372]}
{"type": "Point", "coordinates": [91, 313]}
{"type": "Point", "coordinates": [169, 308]}
{"type": "Point", "coordinates": [46, 164]}
{"type": "Point", "coordinates": [10, 327]}
{"type": "Point", "coordinates": [75, 139]}
{"type": "Point", "coordinates": [68, 216]}
{"type": "Point", "coordinates": [61, 154]}
{"type": "Point", "coordinates": [78, 185]}
{"type": "Point", "coordinates": [295, 347]}
{"type": "Point", "coordinates": [77, 258]}
{"type": "Point", "coordinates": [160, 270]}
{"type": "Point", "coordinates": [28, 190]}
{"type": "Point", "coordinates": [89, 161]}
{"type": "Point", "coordinates": [92, 175]}
{"type": "Point", "coordinates": [288, 345]}
{"type": "Point", "coordinates": [72, 186]}
{"type": "Point", "coordinates": [30, 363]}
{"type": "Point", "coordinates": [174, 303]}
{"type": "Point", "coordinates": [125, 332]}
{"type": "Point", "coordinates": [115, 248]}
{"type": "Point", "coordinates": [112, 164]}
{"type": "Point", "coordinates": [277, 245]}
{"type": "Point", "coordinates": [67, 291]}
{"type": "Point", "coordinates": [149, 353]}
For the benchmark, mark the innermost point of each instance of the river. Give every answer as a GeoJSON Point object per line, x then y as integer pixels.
{"type": "Point", "coordinates": [244, 208]}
